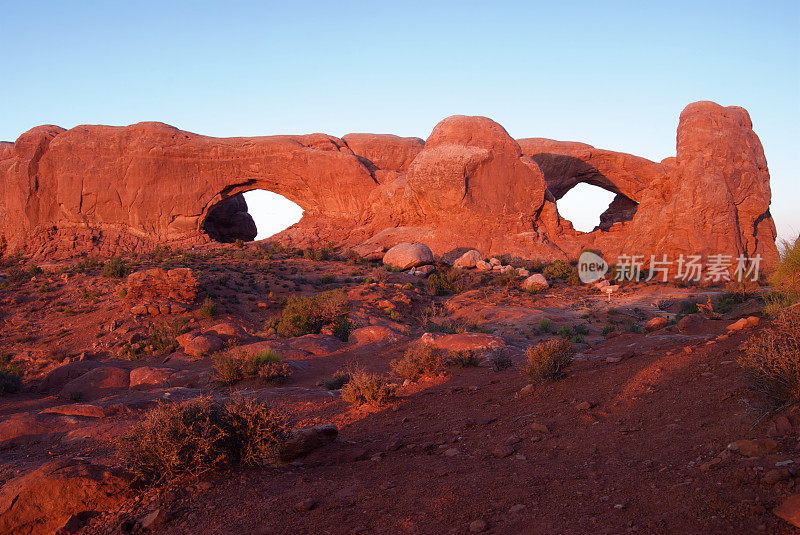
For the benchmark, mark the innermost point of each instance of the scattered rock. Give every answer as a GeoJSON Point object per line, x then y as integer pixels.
{"type": "Point", "coordinates": [468, 260]}
{"type": "Point", "coordinates": [84, 410]}
{"type": "Point", "coordinates": [96, 382]}
{"type": "Point", "coordinates": [503, 450]}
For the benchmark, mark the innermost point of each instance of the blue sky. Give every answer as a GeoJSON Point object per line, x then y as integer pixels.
{"type": "Point", "coordinates": [613, 74]}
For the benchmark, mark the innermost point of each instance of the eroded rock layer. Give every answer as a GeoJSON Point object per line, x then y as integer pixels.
{"type": "Point", "coordinates": [105, 189]}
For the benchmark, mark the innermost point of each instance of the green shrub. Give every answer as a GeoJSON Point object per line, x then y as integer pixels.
{"type": "Point", "coordinates": [85, 265]}
{"type": "Point", "coordinates": [546, 361]}
{"type": "Point", "coordinates": [565, 331]}
{"type": "Point", "coordinates": [209, 308]}
{"type": "Point", "coordinates": [544, 325]}
{"type": "Point", "coordinates": [465, 358]}
{"type": "Point", "coordinates": [336, 382]}
{"type": "Point", "coordinates": [608, 329]}
{"type": "Point", "coordinates": [443, 281]}
{"type": "Point", "coordinates": [10, 383]}
{"type": "Point", "coordinates": [159, 339]}
{"type": "Point", "coordinates": [559, 269]}
{"type": "Point", "coordinates": [115, 268]}
{"type": "Point", "coordinates": [267, 364]}
{"type": "Point", "coordinates": [307, 315]}
{"type": "Point", "coordinates": [771, 359]}
{"type": "Point", "coordinates": [200, 435]}
{"type": "Point", "coordinates": [785, 280]}
{"type": "Point", "coordinates": [368, 389]}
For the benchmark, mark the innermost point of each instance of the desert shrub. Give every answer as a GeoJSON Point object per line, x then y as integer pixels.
{"type": "Point", "coordinates": [499, 360]}
{"type": "Point", "coordinates": [465, 358]}
{"type": "Point", "coordinates": [342, 327]}
{"type": "Point", "coordinates": [581, 329]}
{"type": "Point", "coordinates": [608, 329]}
{"type": "Point", "coordinates": [115, 268]}
{"type": "Point", "coordinates": [687, 307]}
{"type": "Point", "coordinates": [191, 438]}
{"type": "Point", "coordinates": [546, 361]}
{"type": "Point", "coordinates": [267, 364]}
{"type": "Point", "coordinates": [544, 325]}
{"type": "Point", "coordinates": [443, 281]}
{"type": "Point", "coordinates": [336, 382]}
{"type": "Point", "coordinates": [209, 308]}
{"type": "Point", "coordinates": [17, 274]}
{"type": "Point", "coordinates": [419, 360]}
{"type": "Point", "coordinates": [160, 338]}
{"type": "Point", "coordinates": [785, 280]}
{"type": "Point", "coordinates": [9, 383]}
{"type": "Point", "coordinates": [307, 315]}
{"type": "Point", "coordinates": [771, 359]}
{"type": "Point", "coordinates": [559, 269]}
{"type": "Point", "coordinates": [85, 265]}
{"type": "Point", "coordinates": [368, 389]}
{"type": "Point", "coordinates": [509, 279]}
{"type": "Point", "coordinates": [565, 331]}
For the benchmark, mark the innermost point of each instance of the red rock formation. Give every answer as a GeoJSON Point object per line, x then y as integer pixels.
{"type": "Point", "coordinates": [106, 189]}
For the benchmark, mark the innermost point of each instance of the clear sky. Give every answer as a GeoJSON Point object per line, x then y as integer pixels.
{"type": "Point", "coordinates": [612, 74]}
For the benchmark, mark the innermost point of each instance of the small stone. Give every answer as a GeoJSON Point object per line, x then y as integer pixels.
{"type": "Point", "coordinates": [502, 451]}
{"type": "Point", "coordinates": [527, 390]}
{"type": "Point", "coordinates": [153, 519]}
{"type": "Point", "coordinates": [583, 406]}
{"type": "Point", "coordinates": [452, 452]}
{"type": "Point", "coordinates": [517, 508]}
{"type": "Point", "coordinates": [776, 475]}
{"type": "Point", "coordinates": [541, 428]}
{"type": "Point", "coordinates": [477, 526]}
{"type": "Point", "coordinates": [754, 448]}
{"type": "Point", "coordinates": [655, 324]}
{"type": "Point", "coordinates": [306, 505]}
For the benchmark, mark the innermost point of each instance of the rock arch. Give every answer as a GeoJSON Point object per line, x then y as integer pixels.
{"type": "Point", "coordinates": [104, 189]}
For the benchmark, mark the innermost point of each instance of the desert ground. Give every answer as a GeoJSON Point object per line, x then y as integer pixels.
{"type": "Point", "coordinates": [652, 427]}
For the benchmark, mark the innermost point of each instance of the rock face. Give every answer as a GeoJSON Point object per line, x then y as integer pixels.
{"type": "Point", "coordinates": [230, 221]}
{"type": "Point", "coordinates": [101, 190]}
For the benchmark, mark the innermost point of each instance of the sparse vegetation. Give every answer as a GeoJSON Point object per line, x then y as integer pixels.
{"type": "Point", "coordinates": [115, 268]}
{"type": "Point", "coordinates": [465, 358]}
{"type": "Point", "coordinates": [771, 359]}
{"type": "Point", "coordinates": [159, 339]}
{"type": "Point", "coordinates": [307, 315]}
{"type": "Point", "coordinates": [268, 365]}
{"type": "Point", "coordinates": [209, 308]}
{"type": "Point", "coordinates": [544, 325]}
{"type": "Point", "coordinates": [336, 382]}
{"type": "Point", "coordinates": [191, 438]}
{"type": "Point", "coordinates": [546, 361]}
{"type": "Point", "coordinates": [559, 269]}
{"type": "Point", "coordinates": [419, 360]}
{"type": "Point", "coordinates": [785, 280]}
{"type": "Point", "coordinates": [443, 281]}
{"type": "Point", "coordinates": [499, 360]}
{"type": "Point", "coordinates": [366, 388]}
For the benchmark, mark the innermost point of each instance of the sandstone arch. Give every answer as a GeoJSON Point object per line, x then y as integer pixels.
{"type": "Point", "coordinates": [103, 189]}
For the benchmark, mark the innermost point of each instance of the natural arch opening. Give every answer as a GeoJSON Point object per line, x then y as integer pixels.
{"type": "Point", "coordinates": [272, 213]}
{"type": "Point", "coordinates": [591, 208]}
{"type": "Point", "coordinates": [249, 216]}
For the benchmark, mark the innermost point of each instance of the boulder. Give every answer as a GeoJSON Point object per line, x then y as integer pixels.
{"type": "Point", "coordinates": [374, 333]}
{"type": "Point", "coordinates": [58, 377]}
{"type": "Point", "coordinates": [42, 501]}
{"type": "Point", "coordinates": [655, 324]}
{"type": "Point", "coordinates": [307, 439]}
{"type": "Point", "coordinates": [96, 383]}
{"type": "Point", "coordinates": [468, 260]}
{"type": "Point", "coordinates": [408, 255]}
{"type": "Point", "coordinates": [693, 324]}
{"type": "Point", "coordinates": [482, 265]}
{"type": "Point", "coordinates": [147, 375]}
{"type": "Point", "coordinates": [535, 282]}
{"type": "Point", "coordinates": [198, 345]}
